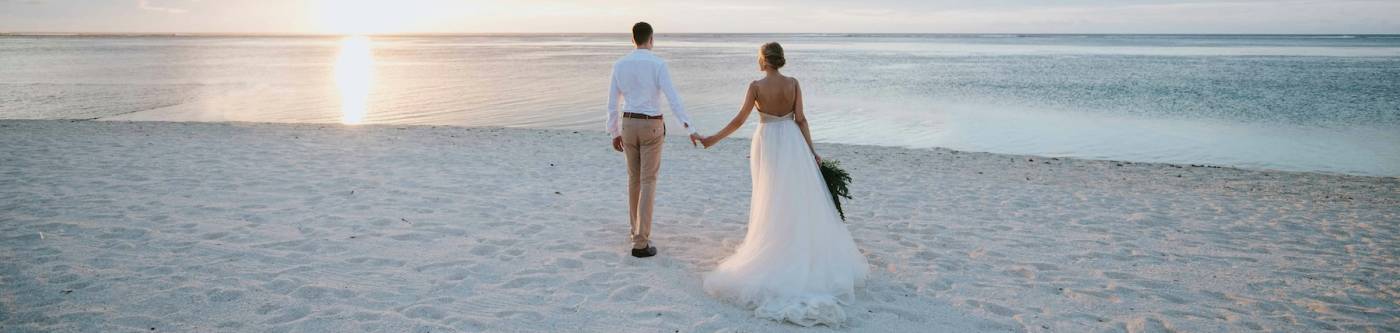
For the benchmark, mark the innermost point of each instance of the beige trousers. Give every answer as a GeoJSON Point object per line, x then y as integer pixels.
{"type": "Point", "coordinates": [641, 141]}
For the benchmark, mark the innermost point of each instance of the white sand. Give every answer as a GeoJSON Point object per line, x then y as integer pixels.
{"type": "Point", "coordinates": [115, 226]}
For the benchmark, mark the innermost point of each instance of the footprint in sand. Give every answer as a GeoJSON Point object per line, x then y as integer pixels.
{"type": "Point", "coordinates": [527, 283]}
{"type": "Point", "coordinates": [88, 318]}
{"type": "Point", "coordinates": [219, 295]}
{"type": "Point", "coordinates": [1020, 272]}
{"type": "Point", "coordinates": [64, 278]}
{"type": "Point", "coordinates": [287, 315]}
{"type": "Point", "coordinates": [366, 316]}
{"type": "Point", "coordinates": [1120, 276]}
{"type": "Point", "coordinates": [599, 255]}
{"type": "Point", "coordinates": [458, 275]}
{"type": "Point", "coordinates": [925, 255]}
{"type": "Point", "coordinates": [282, 286]}
{"type": "Point", "coordinates": [467, 325]}
{"type": "Point", "coordinates": [939, 284]}
{"type": "Point", "coordinates": [655, 314]}
{"type": "Point", "coordinates": [520, 316]}
{"type": "Point", "coordinates": [425, 312]}
{"type": "Point", "coordinates": [583, 286]}
{"type": "Point", "coordinates": [715, 323]}
{"type": "Point", "coordinates": [483, 250]}
{"type": "Point", "coordinates": [140, 322]}
{"type": "Point", "coordinates": [1149, 325]}
{"type": "Point", "coordinates": [631, 293]}
{"type": "Point", "coordinates": [213, 235]}
{"type": "Point", "coordinates": [123, 233]}
{"type": "Point", "coordinates": [378, 262]}
{"type": "Point", "coordinates": [1172, 298]}
{"type": "Point", "coordinates": [502, 242]}
{"type": "Point", "coordinates": [513, 253]}
{"type": "Point", "coordinates": [905, 315]}
{"type": "Point", "coordinates": [565, 247]}
{"type": "Point", "coordinates": [78, 285]}
{"type": "Point", "coordinates": [568, 263]}
{"type": "Point", "coordinates": [159, 270]}
{"type": "Point", "coordinates": [599, 233]}
{"type": "Point", "coordinates": [993, 308]}
{"type": "Point", "coordinates": [413, 237]}
{"type": "Point", "coordinates": [317, 293]}
{"type": "Point", "coordinates": [531, 229]}
{"type": "Point", "coordinates": [383, 221]}
{"type": "Point", "coordinates": [446, 264]}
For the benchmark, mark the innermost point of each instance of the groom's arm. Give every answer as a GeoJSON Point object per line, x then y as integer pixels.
{"type": "Point", "coordinates": [664, 80]}
{"type": "Point", "coordinates": [614, 127]}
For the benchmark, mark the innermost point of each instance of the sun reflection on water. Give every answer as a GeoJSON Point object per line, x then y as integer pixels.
{"type": "Point", "coordinates": [354, 76]}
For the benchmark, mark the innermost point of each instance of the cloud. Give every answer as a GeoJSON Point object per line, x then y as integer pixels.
{"type": "Point", "coordinates": [147, 5]}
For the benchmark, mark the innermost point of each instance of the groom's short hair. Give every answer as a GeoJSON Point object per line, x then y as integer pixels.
{"type": "Point", "coordinates": [641, 32]}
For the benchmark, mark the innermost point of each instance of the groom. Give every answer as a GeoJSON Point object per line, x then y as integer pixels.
{"type": "Point", "coordinates": [640, 78]}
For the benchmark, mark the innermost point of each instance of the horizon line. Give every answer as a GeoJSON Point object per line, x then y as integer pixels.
{"type": "Point", "coordinates": [430, 34]}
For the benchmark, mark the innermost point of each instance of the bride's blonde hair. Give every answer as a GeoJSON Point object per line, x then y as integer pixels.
{"type": "Point", "coordinates": [772, 54]}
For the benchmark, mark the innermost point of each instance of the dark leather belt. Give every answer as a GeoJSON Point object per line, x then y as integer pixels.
{"type": "Point", "coordinates": [639, 116]}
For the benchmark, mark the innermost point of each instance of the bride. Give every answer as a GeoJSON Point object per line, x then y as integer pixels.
{"type": "Point", "coordinates": [798, 262]}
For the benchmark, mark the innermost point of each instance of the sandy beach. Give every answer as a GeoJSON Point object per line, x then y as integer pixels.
{"type": "Point", "coordinates": [246, 227]}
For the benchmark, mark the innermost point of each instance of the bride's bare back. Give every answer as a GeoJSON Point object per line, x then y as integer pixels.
{"type": "Point", "coordinates": [775, 94]}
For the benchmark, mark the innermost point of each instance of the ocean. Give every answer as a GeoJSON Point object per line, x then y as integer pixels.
{"type": "Point", "coordinates": [1278, 102]}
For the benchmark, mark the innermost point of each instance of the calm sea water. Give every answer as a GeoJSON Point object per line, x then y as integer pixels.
{"type": "Point", "coordinates": [1299, 103]}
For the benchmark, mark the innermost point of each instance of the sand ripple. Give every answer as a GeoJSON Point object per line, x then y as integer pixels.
{"type": "Point", "coordinates": [112, 226]}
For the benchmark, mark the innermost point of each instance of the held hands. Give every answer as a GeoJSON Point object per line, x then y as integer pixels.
{"type": "Point", "coordinates": [705, 141]}
{"type": "Point", "coordinates": [709, 141]}
{"type": "Point", "coordinates": [702, 140]}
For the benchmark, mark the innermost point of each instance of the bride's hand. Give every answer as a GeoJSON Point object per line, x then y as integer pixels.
{"type": "Point", "coordinates": [819, 158]}
{"type": "Point", "coordinates": [708, 141]}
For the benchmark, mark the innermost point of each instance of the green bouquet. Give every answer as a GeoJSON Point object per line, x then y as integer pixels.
{"type": "Point", "coordinates": [836, 181]}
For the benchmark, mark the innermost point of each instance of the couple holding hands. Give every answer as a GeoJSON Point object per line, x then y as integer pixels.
{"type": "Point", "coordinates": [798, 262]}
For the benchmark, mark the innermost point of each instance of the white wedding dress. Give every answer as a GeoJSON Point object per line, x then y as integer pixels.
{"type": "Point", "coordinates": [798, 262]}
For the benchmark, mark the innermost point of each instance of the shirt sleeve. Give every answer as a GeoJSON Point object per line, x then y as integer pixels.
{"type": "Point", "coordinates": [614, 128]}
{"type": "Point", "coordinates": [664, 80]}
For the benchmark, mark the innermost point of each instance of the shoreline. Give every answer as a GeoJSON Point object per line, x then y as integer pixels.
{"type": "Point", "coordinates": [745, 138]}
{"type": "Point", "coordinates": [192, 226]}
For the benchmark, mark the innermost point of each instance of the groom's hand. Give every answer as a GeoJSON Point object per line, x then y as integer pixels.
{"type": "Point", "coordinates": [695, 139]}
{"type": "Point", "coordinates": [617, 143]}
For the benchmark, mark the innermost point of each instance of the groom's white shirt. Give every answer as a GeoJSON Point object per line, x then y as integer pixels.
{"type": "Point", "coordinates": [640, 78]}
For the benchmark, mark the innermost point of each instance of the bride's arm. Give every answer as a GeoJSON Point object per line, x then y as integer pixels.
{"type": "Point", "coordinates": [737, 121]}
{"type": "Point", "coordinates": [801, 119]}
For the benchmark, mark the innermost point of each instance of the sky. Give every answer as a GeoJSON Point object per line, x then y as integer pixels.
{"type": "Point", "coordinates": [677, 16]}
